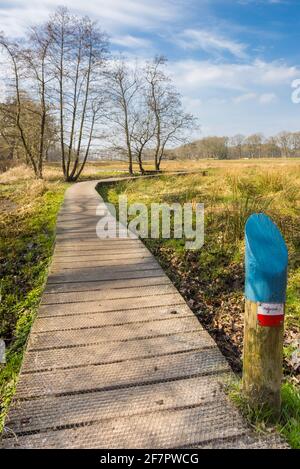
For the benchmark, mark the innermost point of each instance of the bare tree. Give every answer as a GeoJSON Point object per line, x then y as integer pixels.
{"type": "Point", "coordinates": [173, 131]}
{"type": "Point", "coordinates": [36, 62]}
{"type": "Point", "coordinates": [237, 142]}
{"type": "Point", "coordinates": [214, 147]}
{"type": "Point", "coordinates": [78, 54]}
{"type": "Point", "coordinates": [142, 134]}
{"type": "Point", "coordinates": [271, 148]}
{"type": "Point", "coordinates": [294, 143]}
{"type": "Point", "coordinates": [28, 66]}
{"type": "Point", "coordinates": [165, 102]}
{"type": "Point", "coordinates": [283, 140]}
{"type": "Point", "coordinates": [11, 146]}
{"type": "Point", "coordinates": [123, 87]}
{"type": "Point", "coordinates": [253, 144]}
{"type": "Point", "coordinates": [31, 125]}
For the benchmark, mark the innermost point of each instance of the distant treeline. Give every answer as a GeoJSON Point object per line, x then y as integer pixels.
{"type": "Point", "coordinates": [284, 144]}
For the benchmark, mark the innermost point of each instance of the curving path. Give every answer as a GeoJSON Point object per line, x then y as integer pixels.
{"type": "Point", "coordinates": [116, 359]}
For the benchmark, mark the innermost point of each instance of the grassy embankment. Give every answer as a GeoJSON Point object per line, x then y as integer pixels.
{"type": "Point", "coordinates": [211, 279]}
{"type": "Point", "coordinates": [27, 224]}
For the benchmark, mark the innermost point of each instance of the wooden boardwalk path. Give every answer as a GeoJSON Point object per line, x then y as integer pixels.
{"type": "Point", "coordinates": [115, 357]}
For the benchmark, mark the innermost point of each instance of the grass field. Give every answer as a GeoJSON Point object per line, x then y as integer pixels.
{"type": "Point", "coordinates": [211, 279]}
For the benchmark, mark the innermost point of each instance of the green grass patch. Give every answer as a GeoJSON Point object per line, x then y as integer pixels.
{"type": "Point", "coordinates": [27, 222]}
{"type": "Point", "coordinates": [288, 424]}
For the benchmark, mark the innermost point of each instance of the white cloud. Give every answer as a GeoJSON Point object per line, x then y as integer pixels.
{"type": "Point", "coordinates": [112, 14]}
{"type": "Point", "coordinates": [210, 42]}
{"type": "Point", "coordinates": [244, 97]}
{"type": "Point", "coordinates": [267, 98]}
{"type": "Point", "coordinates": [5, 67]}
{"type": "Point", "coordinates": [129, 41]}
{"type": "Point", "coordinates": [192, 104]}
{"type": "Point", "coordinates": [194, 74]}
{"type": "Point", "coordinates": [246, 2]}
{"type": "Point", "coordinates": [230, 98]}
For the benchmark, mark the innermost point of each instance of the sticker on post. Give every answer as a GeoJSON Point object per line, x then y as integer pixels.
{"type": "Point", "coordinates": [270, 314]}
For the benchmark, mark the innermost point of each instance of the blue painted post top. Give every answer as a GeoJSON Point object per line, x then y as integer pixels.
{"type": "Point", "coordinates": [266, 261]}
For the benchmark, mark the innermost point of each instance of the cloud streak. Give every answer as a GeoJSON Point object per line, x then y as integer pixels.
{"type": "Point", "coordinates": [131, 42]}
{"type": "Point", "coordinates": [112, 14]}
{"type": "Point", "coordinates": [197, 74]}
{"type": "Point", "coordinates": [210, 42]}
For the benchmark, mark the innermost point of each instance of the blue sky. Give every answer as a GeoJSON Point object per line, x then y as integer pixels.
{"type": "Point", "coordinates": [233, 61]}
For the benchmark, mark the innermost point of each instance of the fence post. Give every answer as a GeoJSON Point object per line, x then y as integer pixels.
{"type": "Point", "coordinates": [266, 260]}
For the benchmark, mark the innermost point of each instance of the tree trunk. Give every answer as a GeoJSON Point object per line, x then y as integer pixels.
{"type": "Point", "coordinates": [130, 167]}
{"type": "Point", "coordinates": [74, 176]}
{"type": "Point", "coordinates": [73, 114]}
{"type": "Point", "coordinates": [61, 106]}
{"type": "Point", "coordinates": [140, 162]}
{"type": "Point", "coordinates": [43, 121]}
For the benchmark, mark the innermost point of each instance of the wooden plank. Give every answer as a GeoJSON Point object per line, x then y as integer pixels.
{"type": "Point", "coordinates": [61, 266]}
{"type": "Point", "coordinates": [121, 284]}
{"type": "Point", "coordinates": [119, 317]}
{"type": "Point", "coordinates": [121, 332]}
{"type": "Point", "coordinates": [110, 305]}
{"type": "Point", "coordinates": [107, 294]}
{"type": "Point", "coordinates": [81, 408]}
{"type": "Point", "coordinates": [117, 375]}
{"type": "Point", "coordinates": [112, 352]}
{"type": "Point", "coordinates": [163, 429]}
{"type": "Point", "coordinates": [105, 274]}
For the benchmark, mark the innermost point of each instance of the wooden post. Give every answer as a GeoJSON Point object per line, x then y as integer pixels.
{"type": "Point", "coordinates": [266, 260]}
